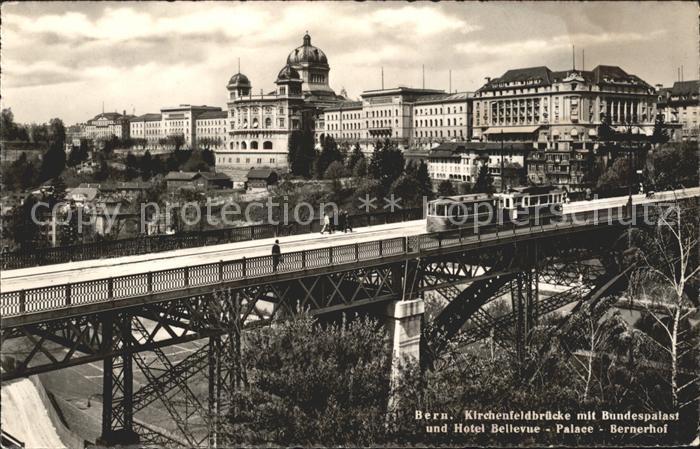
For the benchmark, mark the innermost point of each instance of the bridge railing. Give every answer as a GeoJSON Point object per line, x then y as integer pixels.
{"type": "Point", "coordinates": [158, 243]}
{"type": "Point", "coordinates": [210, 274]}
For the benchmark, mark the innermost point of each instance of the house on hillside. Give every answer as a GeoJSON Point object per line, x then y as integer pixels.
{"type": "Point", "coordinates": [197, 180]}
{"type": "Point", "coordinates": [261, 178]}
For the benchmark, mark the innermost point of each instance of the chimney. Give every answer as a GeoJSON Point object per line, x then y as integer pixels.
{"type": "Point", "coordinates": [124, 112]}
{"type": "Point", "coordinates": [488, 79]}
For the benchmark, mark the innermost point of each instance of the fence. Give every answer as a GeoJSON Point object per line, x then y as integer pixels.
{"type": "Point", "coordinates": [135, 285]}
{"type": "Point", "coordinates": [158, 243]}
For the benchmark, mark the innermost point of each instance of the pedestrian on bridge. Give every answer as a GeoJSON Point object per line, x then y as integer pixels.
{"type": "Point", "coordinates": [326, 224]}
{"type": "Point", "coordinates": [345, 221]}
{"type": "Point", "coordinates": [276, 255]}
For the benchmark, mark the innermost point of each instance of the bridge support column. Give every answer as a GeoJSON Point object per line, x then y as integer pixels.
{"type": "Point", "coordinates": [225, 370]}
{"type": "Point", "coordinates": [524, 297]}
{"type": "Point", "coordinates": [117, 384]}
{"type": "Point", "coordinates": [403, 325]}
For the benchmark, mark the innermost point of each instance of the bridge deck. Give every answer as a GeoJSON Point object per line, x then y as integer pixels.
{"type": "Point", "coordinates": [41, 291]}
{"type": "Point", "coordinates": [24, 278]}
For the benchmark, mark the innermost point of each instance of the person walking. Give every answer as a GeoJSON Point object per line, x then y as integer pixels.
{"type": "Point", "coordinates": [341, 220]}
{"type": "Point", "coordinates": [276, 252]}
{"type": "Point", "coordinates": [326, 224]}
{"type": "Point", "coordinates": [347, 226]}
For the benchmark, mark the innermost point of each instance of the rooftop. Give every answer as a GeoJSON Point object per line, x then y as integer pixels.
{"type": "Point", "coordinates": [543, 76]}
{"type": "Point", "coordinates": [212, 115]}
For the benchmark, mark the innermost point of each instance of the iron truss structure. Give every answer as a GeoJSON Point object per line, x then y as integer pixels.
{"type": "Point", "coordinates": [133, 337]}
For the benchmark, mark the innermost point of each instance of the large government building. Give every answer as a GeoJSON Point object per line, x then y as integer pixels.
{"type": "Point", "coordinates": [546, 119]}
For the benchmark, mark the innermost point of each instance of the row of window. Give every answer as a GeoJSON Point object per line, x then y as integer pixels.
{"type": "Point", "coordinates": [253, 145]}
{"type": "Point", "coordinates": [433, 111]}
{"type": "Point", "coordinates": [230, 160]}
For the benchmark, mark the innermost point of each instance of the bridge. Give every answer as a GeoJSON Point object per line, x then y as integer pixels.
{"type": "Point", "coordinates": [112, 310]}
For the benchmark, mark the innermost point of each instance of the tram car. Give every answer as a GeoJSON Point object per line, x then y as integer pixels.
{"type": "Point", "coordinates": [461, 211]}
{"type": "Point", "coordinates": [515, 207]}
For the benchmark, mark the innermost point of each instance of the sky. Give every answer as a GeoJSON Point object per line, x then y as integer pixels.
{"type": "Point", "coordinates": [64, 59]}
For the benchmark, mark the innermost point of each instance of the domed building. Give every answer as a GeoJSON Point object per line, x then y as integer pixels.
{"type": "Point", "coordinates": [260, 124]}
{"type": "Point", "coordinates": [312, 64]}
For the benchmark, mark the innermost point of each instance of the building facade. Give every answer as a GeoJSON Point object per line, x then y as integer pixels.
{"type": "Point", "coordinates": [414, 118]}
{"type": "Point", "coordinates": [260, 126]}
{"type": "Point", "coordinates": [210, 130]}
{"type": "Point", "coordinates": [559, 112]}
{"type": "Point", "coordinates": [106, 125]}
{"type": "Point", "coordinates": [680, 107]}
{"type": "Point", "coordinates": [461, 161]}
{"type": "Point", "coordinates": [186, 121]}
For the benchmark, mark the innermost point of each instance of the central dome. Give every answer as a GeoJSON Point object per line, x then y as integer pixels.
{"type": "Point", "coordinates": [307, 53]}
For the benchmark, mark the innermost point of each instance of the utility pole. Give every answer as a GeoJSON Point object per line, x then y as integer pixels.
{"type": "Point", "coordinates": [423, 76]}
{"type": "Point", "coordinates": [382, 78]}
{"type": "Point", "coordinates": [450, 91]}
{"type": "Point", "coordinates": [573, 55]}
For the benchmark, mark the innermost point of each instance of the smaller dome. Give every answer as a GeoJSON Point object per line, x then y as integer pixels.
{"type": "Point", "coordinates": [288, 73]}
{"type": "Point", "coordinates": [239, 80]}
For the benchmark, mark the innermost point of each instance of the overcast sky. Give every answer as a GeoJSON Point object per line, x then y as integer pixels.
{"type": "Point", "coordinates": [64, 59]}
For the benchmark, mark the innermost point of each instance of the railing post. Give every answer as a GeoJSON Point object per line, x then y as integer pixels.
{"type": "Point", "coordinates": [110, 288]}
{"type": "Point", "coordinates": [187, 276]}
{"type": "Point", "coordinates": [68, 292]}
{"type": "Point", "coordinates": [357, 252]}
{"type": "Point", "coordinates": [330, 255]}
{"type": "Point", "coordinates": [303, 259]}
{"type": "Point", "coordinates": [149, 282]}
{"type": "Point", "coordinates": [381, 247]}
{"type": "Point", "coordinates": [404, 244]}
{"type": "Point", "coordinates": [243, 266]}
{"type": "Point", "coordinates": [22, 301]}
{"type": "Point", "coordinates": [221, 271]}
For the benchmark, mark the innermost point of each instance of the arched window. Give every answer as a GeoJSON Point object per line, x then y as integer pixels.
{"type": "Point", "coordinates": [267, 145]}
{"type": "Point", "coordinates": [254, 145]}
{"type": "Point", "coordinates": [244, 146]}
{"type": "Point", "coordinates": [268, 122]}
{"type": "Point", "coordinates": [232, 145]}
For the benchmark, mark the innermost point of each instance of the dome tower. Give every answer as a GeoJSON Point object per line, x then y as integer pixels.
{"type": "Point", "coordinates": [238, 86]}
{"type": "Point", "coordinates": [288, 81]}
{"type": "Point", "coordinates": [312, 65]}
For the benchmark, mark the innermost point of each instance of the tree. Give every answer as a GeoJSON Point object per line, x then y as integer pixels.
{"type": "Point", "coordinates": [660, 135]}
{"type": "Point", "coordinates": [387, 163]}
{"type": "Point", "coordinates": [594, 333]}
{"type": "Point", "coordinates": [425, 184]}
{"type": "Point", "coordinates": [408, 190]}
{"type": "Point", "coordinates": [355, 156]}
{"type": "Point", "coordinates": [367, 189]}
{"type": "Point", "coordinates": [146, 165]}
{"type": "Point", "coordinates": [666, 285]}
{"type": "Point", "coordinates": [484, 181]}
{"type": "Point", "coordinates": [446, 188]}
{"type": "Point", "coordinates": [8, 127]}
{"type": "Point", "coordinates": [57, 132]}
{"type": "Point", "coordinates": [54, 161]}
{"type": "Point", "coordinates": [208, 157]}
{"type": "Point", "coordinates": [614, 179]}
{"type": "Point", "coordinates": [301, 153]}
{"type": "Point", "coordinates": [672, 165]}
{"type": "Point", "coordinates": [360, 169]}
{"type": "Point", "coordinates": [312, 384]}
{"type": "Point", "coordinates": [196, 162]}
{"type": "Point", "coordinates": [78, 154]}
{"type": "Point", "coordinates": [329, 154]}
{"type": "Point", "coordinates": [132, 166]}
{"type": "Point", "coordinates": [23, 230]}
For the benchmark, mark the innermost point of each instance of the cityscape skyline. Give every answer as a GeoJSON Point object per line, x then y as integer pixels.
{"type": "Point", "coordinates": [66, 59]}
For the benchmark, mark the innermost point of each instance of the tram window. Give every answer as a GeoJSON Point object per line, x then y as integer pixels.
{"type": "Point", "coordinates": [441, 210]}
{"type": "Point", "coordinates": [507, 203]}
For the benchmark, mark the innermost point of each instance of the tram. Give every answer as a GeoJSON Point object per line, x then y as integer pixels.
{"type": "Point", "coordinates": [515, 207]}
